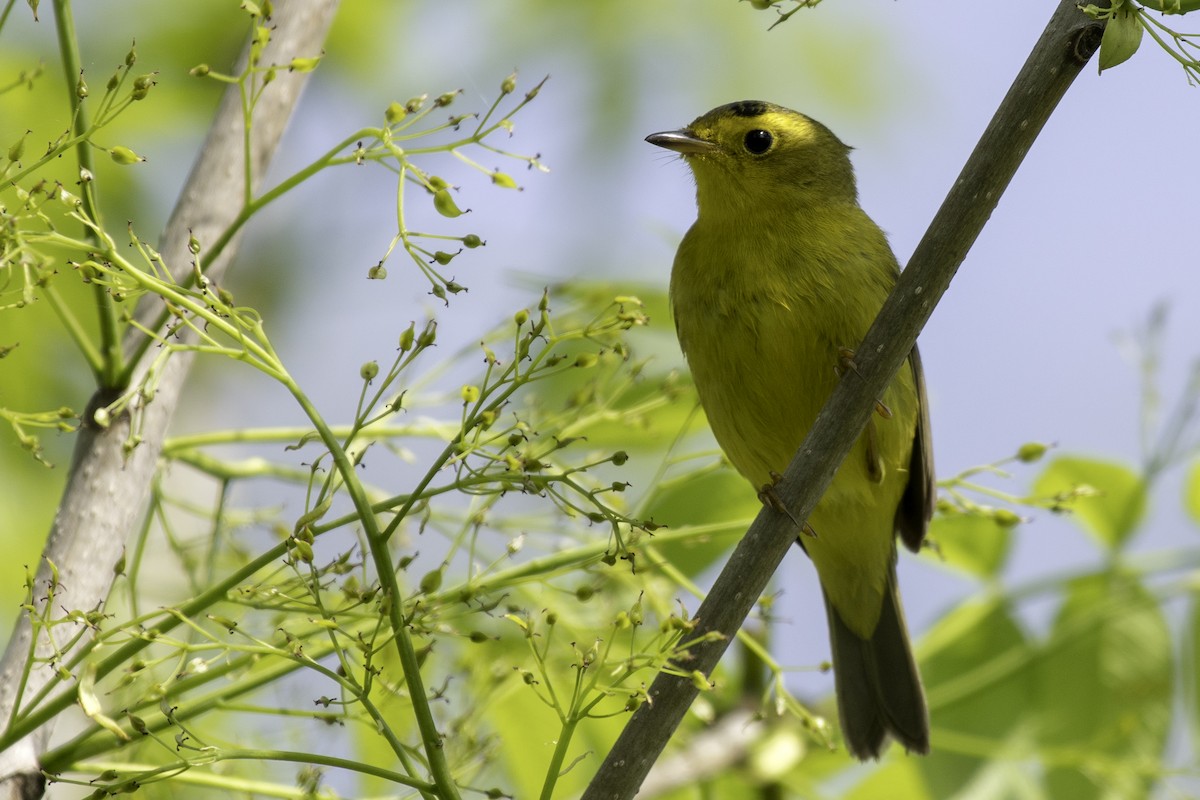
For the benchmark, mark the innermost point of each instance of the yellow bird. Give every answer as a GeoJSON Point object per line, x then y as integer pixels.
{"type": "Point", "coordinates": [773, 287]}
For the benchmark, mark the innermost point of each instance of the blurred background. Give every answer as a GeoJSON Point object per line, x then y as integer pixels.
{"type": "Point", "coordinates": [1094, 232]}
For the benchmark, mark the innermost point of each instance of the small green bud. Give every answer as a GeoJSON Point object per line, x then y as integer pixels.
{"type": "Point", "coordinates": [304, 64]}
{"type": "Point", "coordinates": [142, 85]}
{"type": "Point", "coordinates": [394, 113]}
{"type": "Point", "coordinates": [429, 335]}
{"type": "Point", "coordinates": [124, 156]}
{"type": "Point", "coordinates": [439, 292]}
{"type": "Point", "coordinates": [444, 258]}
{"type": "Point", "coordinates": [584, 593]}
{"type": "Point", "coordinates": [471, 241]}
{"type": "Point", "coordinates": [1031, 452]}
{"type": "Point", "coordinates": [414, 103]}
{"type": "Point", "coordinates": [377, 272]}
{"type": "Point", "coordinates": [407, 338]}
{"type": "Point", "coordinates": [521, 317]}
{"type": "Point", "coordinates": [200, 70]}
{"type": "Point", "coordinates": [113, 82]}
{"type": "Point", "coordinates": [478, 637]}
{"type": "Point", "coordinates": [437, 182]}
{"type": "Point", "coordinates": [303, 550]}
{"type": "Point", "coordinates": [454, 287]}
{"type": "Point", "coordinates": [131, 56]}
{"type": "Point", "coordinates": [509, 84]}
{"type": "Point", "coordinates": [81, 87]}
{"type": "Point", "coordinates": [445, 204]}
{"type": "Point", "coordinates": [18, 148]}
{"type": "Point", "coordinates": [504, 180]}
{"type": "Point", "coordinates": [369, 370]}
{"type": "Point", "coordinates": [431, 582]}
{"type": "Point", "coordinates": [446, 99]}
{"type": "Point", "coordinates": [1006, 518]}
{"type": "Point", "coordinates": [193, 244]}
{"type": "Point", "coordinates": [620, 457]}
{"type": "Point", "coordinates": [586, 360]}
{"type": "Point", "coordinates": [470, 394]}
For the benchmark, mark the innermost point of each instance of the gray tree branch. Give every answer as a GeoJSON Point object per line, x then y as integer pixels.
{"type": "Point", "coordinates": [107, 488]}
{"type": "Point", "coordinates": [1065, 46]}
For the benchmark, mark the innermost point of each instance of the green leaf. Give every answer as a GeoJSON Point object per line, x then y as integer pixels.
{"type": "Point", "coordinates": [1104, 690]}
{"type": "Point", "coordinates": [979, 671]}
{"type": "Point", "coordinates": [1107, 499]}
{"type": "Point", "coordinates": [721, 500]}
{"type": "Point", "coordinates": [1122, 36]}
{"type": "Point", "coordinates": [973, 543]}
{"type": "Point", "coordinates": [1191, 492]}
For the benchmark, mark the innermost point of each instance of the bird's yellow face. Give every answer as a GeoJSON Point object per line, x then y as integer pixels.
{"type": "Point", "coordinates": [762, 154]}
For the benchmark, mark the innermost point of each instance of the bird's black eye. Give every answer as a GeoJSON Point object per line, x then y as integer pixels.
{"type": "Point", "coordinates": [758, 141]}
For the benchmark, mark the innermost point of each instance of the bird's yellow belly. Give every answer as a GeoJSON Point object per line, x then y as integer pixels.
{"type": "Point", "coordinates": [762, 376]}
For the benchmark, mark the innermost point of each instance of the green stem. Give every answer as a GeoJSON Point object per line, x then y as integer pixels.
{"type": "Point", "coordinates": [112, 365]}
{"type": "Point", "coordinates": [232, 783]}
{"type": "Point", "coordinates": [560, 755]}
{"type": "Point", "coordinates": [386, 571]}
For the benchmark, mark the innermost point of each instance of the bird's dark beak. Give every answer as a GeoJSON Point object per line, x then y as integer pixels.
{"type": "Point", "coordinates": [682, 142]}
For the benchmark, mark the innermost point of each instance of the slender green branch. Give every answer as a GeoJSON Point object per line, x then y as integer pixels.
{"type": "Point", "coordinates": [112, 365]}
{"type": "Point", "coordinates": [235, 784]}
{"type": "Point", "coordinates": [435, 752]}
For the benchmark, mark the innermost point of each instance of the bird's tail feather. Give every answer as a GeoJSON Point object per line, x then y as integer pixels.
{"type": "Point", "coordinates": [878, 687]}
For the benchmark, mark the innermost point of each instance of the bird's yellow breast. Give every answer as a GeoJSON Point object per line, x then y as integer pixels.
{"type": "Point", "coordinates": [764, 318]}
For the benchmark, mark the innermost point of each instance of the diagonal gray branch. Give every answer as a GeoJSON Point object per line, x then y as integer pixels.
{"type": "Point", "coordinates": [1065, 46]}
{"type": "Point", "coordinates": [106, 489]}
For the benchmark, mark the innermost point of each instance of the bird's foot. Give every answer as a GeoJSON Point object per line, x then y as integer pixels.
{"type": "Point", "coordinates": [768, 497]}
{"type": "Point", "coordinates": [846, 362]}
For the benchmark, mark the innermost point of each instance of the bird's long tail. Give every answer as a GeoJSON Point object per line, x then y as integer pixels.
{"type": "Point", "coordinates": [878, 687]}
